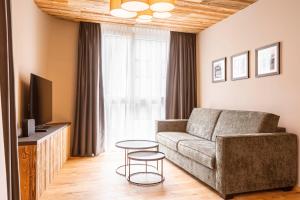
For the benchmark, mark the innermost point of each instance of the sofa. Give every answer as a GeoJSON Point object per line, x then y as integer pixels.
{"type": "Point", "coordinates": [231, 151]}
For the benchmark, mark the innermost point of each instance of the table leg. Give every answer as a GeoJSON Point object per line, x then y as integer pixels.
{"type": "Point", "coordinates": [146, 166]}
{"type": "Point", "coordinates": [162, 169]}
{"type": "Point", "coordinates": [129, 170]}
{"type": "Point", "coordinates": [125, 156]}
{"type": "Point", "coordinates": [157, 160]}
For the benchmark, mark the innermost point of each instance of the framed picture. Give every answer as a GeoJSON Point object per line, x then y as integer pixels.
{"type": "Point", "coordinates": [219, 70]}
{"type": "Point", "coordinates": [268, 60]}
{"type": "Point", "coordinates": [240, 66]}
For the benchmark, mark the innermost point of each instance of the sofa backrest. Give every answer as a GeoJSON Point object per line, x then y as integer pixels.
{"type": "Point", "coordinates": [202, 122]}
{"type": "Point", "coordinates": [241, 122]}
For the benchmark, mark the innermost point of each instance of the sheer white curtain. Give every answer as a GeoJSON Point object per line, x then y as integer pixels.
{"type": "Point", "coordinates": [134, 77]}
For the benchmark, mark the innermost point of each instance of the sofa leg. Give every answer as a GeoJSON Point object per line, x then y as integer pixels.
{"type": "Point", "coordinates": [227, 196]}
{"type": "Point", "coordinates": [287, 189]}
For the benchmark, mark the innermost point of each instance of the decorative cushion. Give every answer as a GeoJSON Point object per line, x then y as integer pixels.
{"type": "Point", "coordinates": [202, 151]}
{"type": "Point", "coordinates": [241, 122]}
{"type": "Point", "coordinates": [202, 122]}
{"type": "Point", "coordinates": [171, 139]}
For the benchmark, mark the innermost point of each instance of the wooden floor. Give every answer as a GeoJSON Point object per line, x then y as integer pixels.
{"type": "Point", "coordinates": [95, 179]}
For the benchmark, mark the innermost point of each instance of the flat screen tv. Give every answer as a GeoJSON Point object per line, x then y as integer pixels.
{"type": "Point", "coordinates": [40, 103]}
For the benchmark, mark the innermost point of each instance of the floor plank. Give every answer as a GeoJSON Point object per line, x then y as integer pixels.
{"type": "Point", "coordinates": [95, 179]}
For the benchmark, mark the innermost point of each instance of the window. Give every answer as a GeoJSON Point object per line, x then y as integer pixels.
{"type": "Point", "coordinates": [134, 77]}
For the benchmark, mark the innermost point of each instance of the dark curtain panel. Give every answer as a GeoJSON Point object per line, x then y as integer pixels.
{"type": "Point", "coordinates": [7, 87]}
{"type": "Point", "coordinates": [89, 120]}
{"type": "Point", "coordinates": [181, 76]}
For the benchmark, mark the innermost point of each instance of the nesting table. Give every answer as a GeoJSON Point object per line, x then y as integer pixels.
{"type": "Point", "coordinates": [139, 152]}
{"type": "Point", "coordinates": [146, 177]}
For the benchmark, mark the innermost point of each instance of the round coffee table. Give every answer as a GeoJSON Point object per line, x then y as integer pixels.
{"type": "Point", "coordinates": [133, 145]}
{"type": "Point", "coordinates": [146, 177]}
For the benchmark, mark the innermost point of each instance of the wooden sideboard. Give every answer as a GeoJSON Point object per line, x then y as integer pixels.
{"type": "Point", "coordinates": [41, 156]}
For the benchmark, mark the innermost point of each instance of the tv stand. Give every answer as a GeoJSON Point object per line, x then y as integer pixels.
{"type": "Point", "coordinates": [41, 157]}
{"type": "Point", "coordinates": [42, 128]}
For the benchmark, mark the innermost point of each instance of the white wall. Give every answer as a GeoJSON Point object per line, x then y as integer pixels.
{"type": "Point", "coordinates": [3, 189]}
{"type": "Point", "coordinates": [263, 23]}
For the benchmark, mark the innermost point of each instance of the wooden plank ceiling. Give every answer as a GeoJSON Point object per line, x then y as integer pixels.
{"type": "Point", "coordinates": [188, 15]}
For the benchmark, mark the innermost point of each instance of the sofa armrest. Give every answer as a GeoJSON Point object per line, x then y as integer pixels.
{"type": "Point", "coordinates": [259, 161]}
{"type": "Point", "coordinates": [178, 125]}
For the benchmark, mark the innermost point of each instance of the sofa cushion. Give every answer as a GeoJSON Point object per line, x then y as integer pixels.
{"type": "Point", "coordinates": [201, 151]}
{"type": "Point", "coordinates": [241, 122]}
{"type": "Point", "coordinates": [171, 139]}
{"type": "Point", "coordinates": [202, 122]}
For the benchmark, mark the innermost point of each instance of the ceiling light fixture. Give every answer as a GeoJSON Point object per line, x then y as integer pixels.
{"type": "Point", "coordinates": [139, 20]}
{"type": "Point", "coordinates": [162, 5]}
{"type": "Point", "coordinates": [135, 5]}
{"type": "Point", "coordinates": [145, 15]}
{"type": "Point", "coordinates": [117, 11]}
{"type": "Point", "coordinates": [143, 9]}
{"type": "Point", "coordinates": [162, 15]}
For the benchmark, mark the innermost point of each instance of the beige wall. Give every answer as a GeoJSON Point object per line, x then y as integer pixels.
{"type": "Point", "coordinates": [61, 68]}
{"type": "Point", "coordinates": [46, 46]}
{"type": "Point", "coordinates": [263, 23]}
{"type": "Point", "coordinates": [30, 47]}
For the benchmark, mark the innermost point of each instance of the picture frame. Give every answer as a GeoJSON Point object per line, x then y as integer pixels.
{"type": "Point", "coordinates": [219, 70]}
{"type": "Point", "coordinates": [267, 60]}
{"type": "Point", "coordinates": [240, 66]}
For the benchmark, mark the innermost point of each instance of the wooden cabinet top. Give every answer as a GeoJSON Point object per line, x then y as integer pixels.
{"type": "Point", "coordinates": [38, 137]}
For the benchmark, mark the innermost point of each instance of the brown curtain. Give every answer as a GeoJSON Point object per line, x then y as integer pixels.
{"type": "Point", "coordinates": [7, 87]}
{"type": "Point", "coordinates": [89, 120]}
{"type": "Point", "coordinates": [181, 76]}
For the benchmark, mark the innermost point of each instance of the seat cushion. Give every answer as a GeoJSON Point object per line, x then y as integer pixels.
{"type": "Point", "coordinates": [201, 151]}
{"type": "Point", "coordinates": [171, 139]}
{"type": "Point", "coordinates": [202, 122]}
{"type": "Point", "coordinates": [241, 122]}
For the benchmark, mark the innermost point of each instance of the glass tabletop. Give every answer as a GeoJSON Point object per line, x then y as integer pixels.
{"type": "Point", "coordinates": [137, 144]}
{"type": "Point", "coordinates": [146, 155]}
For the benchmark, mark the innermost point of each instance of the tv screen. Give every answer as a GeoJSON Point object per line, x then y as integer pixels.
{"type": "Point", "coordinates": [40, 103]}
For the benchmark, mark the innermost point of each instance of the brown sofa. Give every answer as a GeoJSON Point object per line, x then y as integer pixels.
{"type": "Point", "coordinates": [231, 151]}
